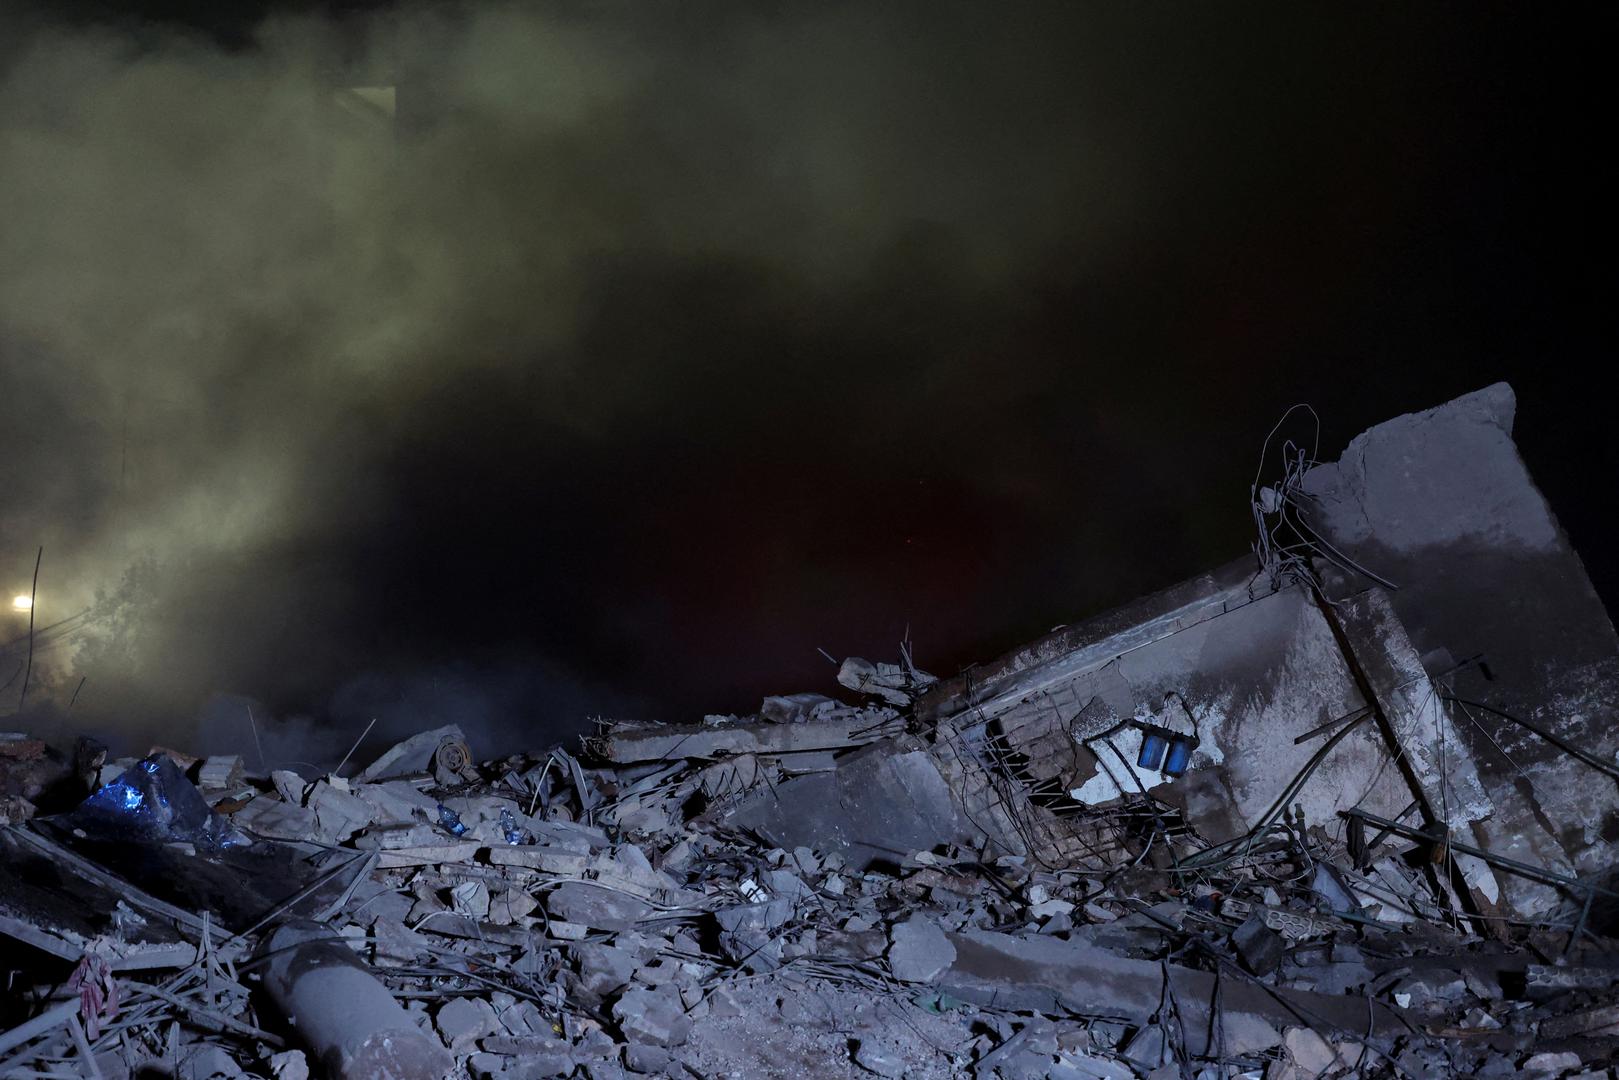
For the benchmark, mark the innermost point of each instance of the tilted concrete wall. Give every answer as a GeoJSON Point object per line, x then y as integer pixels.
{"type": "Point", "coordinates": [1441, 504]}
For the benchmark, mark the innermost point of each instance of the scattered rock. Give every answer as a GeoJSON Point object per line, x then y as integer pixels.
{"type": "Point", "coordinates": [655, 1016]}
{"type": "Point", "coordinates": [1551, 1064]}
{"type": "Point", "coordinates": [880, 1061]}
{"type": "Point", "coordinates": [1259, 947]}
{"type": "Point", "coordinates": [918, 950]}
{"type": "Point", "coordinates": [595, 907]}
{"type": "Point", "coordinates": [461, 1022]}
{"type": "Point", "coordinates": [289, 1065]}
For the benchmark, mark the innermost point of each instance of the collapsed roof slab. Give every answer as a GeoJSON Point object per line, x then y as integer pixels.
{"type": "Point", "coordinates": [1264, 680]}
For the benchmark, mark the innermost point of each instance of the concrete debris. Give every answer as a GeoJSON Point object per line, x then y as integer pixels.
{"type": "Point", "coordinates": [1551, 1064]}
{"type": "Point", "coordinates": [894, 683]}
{"type": "Point", "coordinates": [871, 1058]}
{"type": "Point", "coordinates": [1267, 823]}
{"type": "Point", "coordinates": [289, 1065]}
{"type": "Point", "coordinates": [655, 1015]}
{"type": "Point", "coordinates": [220, 773]}
{"type": "Point", "coordinates": [1258, 946]}
{"type": "Point", "coordinates": [461, 1022]}
{"type": "Point", "coordinates": [918, 950]}
{"type": "Point", "coordinates": [596, 906]}
{"type": "Point", "coordinates": [338, 814]}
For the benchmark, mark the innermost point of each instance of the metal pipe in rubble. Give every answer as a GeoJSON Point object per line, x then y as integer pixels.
{"type": "Point", "coordinates": [343, 1013]}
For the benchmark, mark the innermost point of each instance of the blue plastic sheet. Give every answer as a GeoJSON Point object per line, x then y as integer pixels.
{"type": "Point", "coordinates": [153, 802]}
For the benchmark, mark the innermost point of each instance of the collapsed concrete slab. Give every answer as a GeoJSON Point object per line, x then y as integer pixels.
{"type": "Point", "coordinates": [1483, 711]}
{"type": "Point", "coordinates": [882, 803]}
{"type": "Point", "coordinates": [1235, 1017]}
{"type": "Point", "coordinates": [851, 728]}
{"type": "Point", "coordinates": [1497, 602]}
{"type": "Point", "coordinates": [1271, 685]}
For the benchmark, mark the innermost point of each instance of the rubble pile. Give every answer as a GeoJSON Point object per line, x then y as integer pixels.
{"type": "Point", "coordinates": [552, 916]}
{"type": "Point", "coordinates": [1240, 829]}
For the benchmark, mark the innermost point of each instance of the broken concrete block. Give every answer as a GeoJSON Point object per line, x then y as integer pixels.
{"type": "Point", "coordinates": [646, 1058]}
{"type": "Point", "coordinates": [470, 898]}
{"type": "Point", "coordinates": [798, 708]}
{"type": "Point", "coordinates": [764, 916]}
{"type": "Point", "coordinates": [393, 940]}
{"type": "Point", "coordinates": [604, 968]}
{"type": "Point", "coordinates": [289, 1065]}
{"type": "Point", "coordinates": [1048, 975]}
{"type": "Point", "coordinates": [880, 1060]}
{"type": "Point", "coordinates": [1339, 978]}
{"type": "Point", "coordinates": [1601, 1021]}
{"type": "Point", "coordinates": [1551, 1064]}
{"type": "Point", "coordinates": [627, 869]}
{"type": "Point", "coordinates": [625, 745]}
{"type": "Point", "coordinates": [526, 1066]}
{"type": "Point", "coordinates": [276, 820]}
{"type": "Point", "coordinates": [567, 835]}
{"type": "Point", "coordinates": [747, 934]}
{"type": "Point", "coordinates": [652, 1016]}
{"type": "Point", "coordinates": [550, 860]}
{"type": "Point", "coordinates": [1308, 1055]}
{"type": "Point", "coordinates": [1050, 908]}
{"type": "Point", "coordinates": [399, 837]}
{"type": "Point", "coordinates": [14, 810]}
{"type": "Point", "coordinates": [1026, 1055]}
{"type": "Point", "coordinates": [788, 886]}
{"type": "Point", "coordinates": [396, 802]}
{"type": "Point", "coordinates": [289, 785]}
{"type": "Point", "coordinates": [210, 1063]}
{"type": "Point", "coordinates": [1148, 1048]}
{"type": "Point", "coordinates": [877, 801]}
{"type": "Point", "coordinates": [1330, 887]}
{"type": "Point", "coordinates": [1435, 502]}
{"type": "Point", "coordinates": [338, 815]}
{"type": "Point", "coordinates": [510, 906]}
{"type": "Point", "coordinates": [918, 950]}
{"type": "Point", "coordinates": [590, 905]}
{"type": "Point", "coordinates": [220, 772]}
{"type": "Point", "coordinates": [541, 1045]}
{"type": "Point", "coordinates": [1258, 946]}
{"type": "Point", "coordinates": [892, 683]}
{"type": "Point", "coordinates": [487, 1066]}
{"type": "Point", "coordinates": [427, 855]}
{"type": "Point", "coordinates": [461, 1022]}
{"type": "Point", "coordinates": [1431, 993]}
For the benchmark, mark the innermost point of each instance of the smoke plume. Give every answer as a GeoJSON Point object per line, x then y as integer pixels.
{"type": "Point", "coordinates": [517, 363]}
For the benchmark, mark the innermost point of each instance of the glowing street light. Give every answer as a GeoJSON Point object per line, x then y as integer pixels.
{"type": "Point", "coordinates": [22, 603]}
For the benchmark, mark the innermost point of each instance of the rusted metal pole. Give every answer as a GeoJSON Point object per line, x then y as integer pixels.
{"type": "Point", "coordinates": [343, 1013]}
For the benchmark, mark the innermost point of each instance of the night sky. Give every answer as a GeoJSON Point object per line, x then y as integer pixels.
{"type": "Point", "coordinates": [800, 327]}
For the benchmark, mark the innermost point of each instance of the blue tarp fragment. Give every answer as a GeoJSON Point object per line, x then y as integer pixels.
{"type": "Point", "coordinates": [153, 802]}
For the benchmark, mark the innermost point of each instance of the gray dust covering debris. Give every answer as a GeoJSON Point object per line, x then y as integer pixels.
{"type": "Point", "coordinates": [1321, 812]}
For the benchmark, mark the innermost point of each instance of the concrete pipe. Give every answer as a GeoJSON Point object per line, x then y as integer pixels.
{"type": "Point", "coordinates": [342, 1012]}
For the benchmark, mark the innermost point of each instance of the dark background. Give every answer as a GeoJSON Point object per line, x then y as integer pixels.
{"type": "Point", "coordinates": [1372, 209]}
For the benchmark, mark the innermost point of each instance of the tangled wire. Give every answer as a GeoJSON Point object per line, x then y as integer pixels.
{"type": "Point", "coordinates": [1286, 544]}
